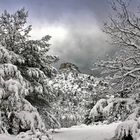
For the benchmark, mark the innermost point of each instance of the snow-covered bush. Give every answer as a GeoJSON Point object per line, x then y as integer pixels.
{"type": "Point", "coordinates": [112, 109]}
{"type": "Point", "coordinates": [130, 128]}
{"type": "Point", "coordinates": [96, 112]}
{"type": "Point", "coordinates": [16, 113]}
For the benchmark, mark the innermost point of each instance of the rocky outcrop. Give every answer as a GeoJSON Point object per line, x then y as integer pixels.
{"type": "Point", "coordinates": [69, 66]}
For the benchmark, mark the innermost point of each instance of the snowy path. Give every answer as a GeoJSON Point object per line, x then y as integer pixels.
{"type": "Point", "coordinates": [99, 132]}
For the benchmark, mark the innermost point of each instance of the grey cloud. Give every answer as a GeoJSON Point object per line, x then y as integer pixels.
{"type": "Point", "coordinates": [85, 41]}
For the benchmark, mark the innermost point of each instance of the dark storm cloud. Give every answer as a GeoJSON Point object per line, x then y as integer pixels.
{"type": "Point", "coordinates": [52, 10]}
{"type": "Point", "coordinates": [84, 42]}
{"type": "Point", "coordinates": [81, 19]}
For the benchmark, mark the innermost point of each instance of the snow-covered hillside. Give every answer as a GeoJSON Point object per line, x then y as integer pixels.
{"type": "Point", "coordinates": [74, 92]}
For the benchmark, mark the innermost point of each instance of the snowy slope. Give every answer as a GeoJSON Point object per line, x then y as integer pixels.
{"type": "Point", "coordinates": [99, 132]}
{"type": "Point", "coordinates": [73, 91]}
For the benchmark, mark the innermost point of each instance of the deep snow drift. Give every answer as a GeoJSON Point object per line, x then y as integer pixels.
{"type": "Point", "coordinates": [5, 137]}
{"type": "Point", "coordinates": [96, 132]}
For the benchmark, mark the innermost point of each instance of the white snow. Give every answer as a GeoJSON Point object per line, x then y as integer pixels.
{"type": "Point", "coordinates": [83, 132]}
{"type": "Point", "coordinates": [96, 132]}
{"type": "Point", "coordinates": [6, 137]}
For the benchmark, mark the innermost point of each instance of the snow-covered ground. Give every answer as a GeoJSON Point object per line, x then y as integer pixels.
{"type": "Point", "coordinates": [97, 132]}
{"type": "Point", "coordinates": [5, 137]}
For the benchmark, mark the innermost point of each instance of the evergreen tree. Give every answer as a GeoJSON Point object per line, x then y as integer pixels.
{"type": "Point", "coordinates": [25, 68]}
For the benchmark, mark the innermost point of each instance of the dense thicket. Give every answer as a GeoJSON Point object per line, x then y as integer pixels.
{"type": "Point", "coordinates": [123, 71]}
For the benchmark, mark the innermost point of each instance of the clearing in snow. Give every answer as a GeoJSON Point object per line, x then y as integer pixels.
{"type": "Point", "coordinates": [96, 132]}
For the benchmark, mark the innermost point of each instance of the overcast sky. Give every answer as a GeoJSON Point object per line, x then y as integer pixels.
{"type": "Point", "coordinates": [75, 27]}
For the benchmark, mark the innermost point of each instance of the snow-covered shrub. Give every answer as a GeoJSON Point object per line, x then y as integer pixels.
{"type": "Point", "coordinates": [29, 135]}
{"type": "Point", "coordinates": [113, 109]}
{"type": "Point", "coordinates": [17, 114]}
{"type": "Point", "coordinates": [96, 112]}
{"type": "Point", "coordinates": [130, 127]}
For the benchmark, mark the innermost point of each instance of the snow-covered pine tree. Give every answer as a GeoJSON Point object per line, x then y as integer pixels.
{"type": "Point", "coordinates": [24, 71]}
